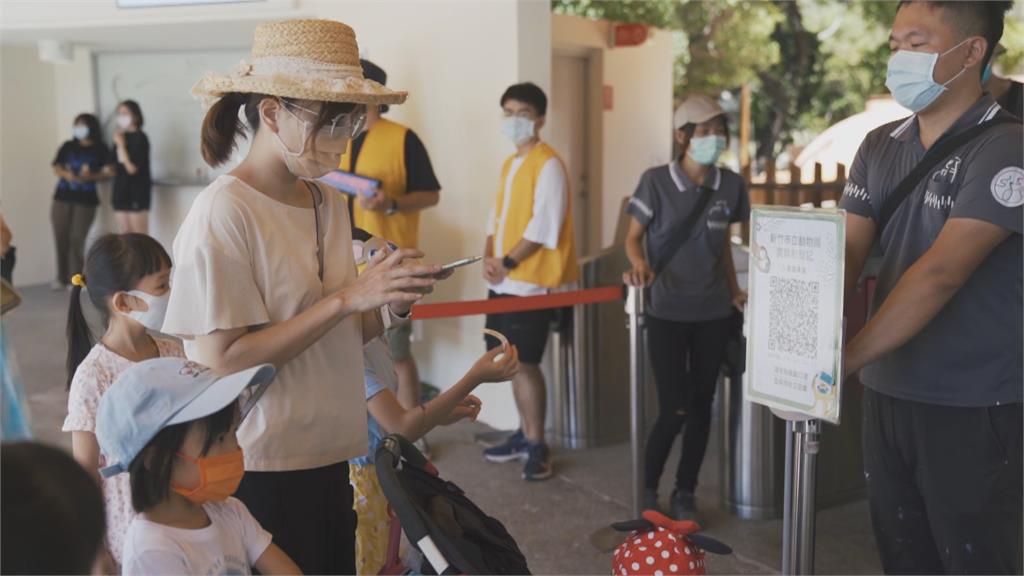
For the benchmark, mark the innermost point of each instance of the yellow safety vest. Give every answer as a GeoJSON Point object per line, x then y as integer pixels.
{"type": "Point", "coordinates": [382, 157]}
{"type": "Point", "coordinates": [545, 267]}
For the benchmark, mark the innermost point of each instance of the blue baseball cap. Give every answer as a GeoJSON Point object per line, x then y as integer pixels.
{"type": "Point", "coordinates": [154, 394]}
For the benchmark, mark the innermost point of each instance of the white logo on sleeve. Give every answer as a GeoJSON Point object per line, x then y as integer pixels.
{"type": "Point", "coordinates": [1008, 187]}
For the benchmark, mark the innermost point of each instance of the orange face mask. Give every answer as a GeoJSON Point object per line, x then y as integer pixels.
{"type": "Point", "coordinates": [219, 477]}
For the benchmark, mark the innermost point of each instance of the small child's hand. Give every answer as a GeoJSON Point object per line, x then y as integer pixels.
{"type": "Point", "coordinates": [469, 408]}
{"type": "Point", "coordinates": [491, 368]}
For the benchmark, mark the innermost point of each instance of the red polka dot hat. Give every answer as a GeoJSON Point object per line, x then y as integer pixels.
{"type": "Point", "coordinates": [660, 546]}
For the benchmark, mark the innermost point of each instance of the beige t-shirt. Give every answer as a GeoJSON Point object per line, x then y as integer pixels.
{"type": "Point", "coordinates": [244, 259]}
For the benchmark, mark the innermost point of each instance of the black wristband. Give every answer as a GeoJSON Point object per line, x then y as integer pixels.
{"type": "Point", "coordinates": [509, 263]}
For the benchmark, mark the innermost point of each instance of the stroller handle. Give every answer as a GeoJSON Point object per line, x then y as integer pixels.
{"type": "Point", "coordinates": [393, 449]}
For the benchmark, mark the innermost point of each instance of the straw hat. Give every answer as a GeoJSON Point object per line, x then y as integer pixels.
{"type": "Point", "coordinates": [302, 59]}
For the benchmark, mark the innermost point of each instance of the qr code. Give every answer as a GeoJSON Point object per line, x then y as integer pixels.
{"type": "Point", "coordinates": [793, 320]}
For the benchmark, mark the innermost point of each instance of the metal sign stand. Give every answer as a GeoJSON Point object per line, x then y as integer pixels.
{"type": "Point", "coordinates": [637, 379]}
{"type": "Point", "coordinates": [802, 445]}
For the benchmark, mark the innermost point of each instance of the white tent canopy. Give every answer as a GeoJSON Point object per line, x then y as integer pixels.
{"type": "Point", "coordinates": [839, 143]}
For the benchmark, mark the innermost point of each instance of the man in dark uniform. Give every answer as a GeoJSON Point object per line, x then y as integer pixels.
{"type": "Point", "coordinates": [942, 353]}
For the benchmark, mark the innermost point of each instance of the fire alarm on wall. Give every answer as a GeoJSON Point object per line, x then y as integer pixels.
{"type": "Point", "coordinates": [625, 34]}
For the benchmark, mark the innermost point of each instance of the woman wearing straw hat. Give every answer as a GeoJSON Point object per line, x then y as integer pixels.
{"type": "Point", "coordinates": [267, 275]}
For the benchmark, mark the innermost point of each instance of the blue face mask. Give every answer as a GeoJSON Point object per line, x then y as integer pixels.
{"type": "Point", "coordinates": [706, 149]}
{"type": "Point", "coordinates": [910, 78]}
{"type": "Point", "coordinates": [986, 74]}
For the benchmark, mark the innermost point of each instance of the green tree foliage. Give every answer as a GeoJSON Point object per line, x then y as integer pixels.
{"type": "Point", "coordinates": [810, 62]}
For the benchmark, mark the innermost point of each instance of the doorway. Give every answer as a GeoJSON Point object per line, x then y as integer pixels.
{"type": "Point", "coordinates": [570, 109]}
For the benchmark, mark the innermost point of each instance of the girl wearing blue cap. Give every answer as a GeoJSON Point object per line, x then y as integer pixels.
{"type": "Point", "coordinates": [171, 424]}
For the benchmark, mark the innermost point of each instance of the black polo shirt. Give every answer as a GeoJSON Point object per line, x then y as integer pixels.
{"type": "Point", "coordinates": [971, 353]}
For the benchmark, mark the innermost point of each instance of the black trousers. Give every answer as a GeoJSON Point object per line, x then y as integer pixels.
{"type": "Point", "coordinates": [310, 514]}
{"type": "Point", "coordinates": [687, 358]}
{"type": "Point", "coordinates": [945, 486]}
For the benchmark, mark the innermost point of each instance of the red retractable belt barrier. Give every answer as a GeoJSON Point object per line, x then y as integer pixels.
{"type": "Point", "coordinates": [517, 304]}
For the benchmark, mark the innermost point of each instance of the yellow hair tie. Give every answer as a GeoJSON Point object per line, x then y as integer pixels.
{"type": "Point", "coordinates": [78, 280]}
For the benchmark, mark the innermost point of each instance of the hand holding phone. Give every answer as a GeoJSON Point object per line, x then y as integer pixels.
{"type": "Point", "coordinates": [461, 263]}
{"type": "Point", "coordinates": [448, 269]}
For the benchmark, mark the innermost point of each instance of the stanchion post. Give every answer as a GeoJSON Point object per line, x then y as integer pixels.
{"type": "Point", "coordinates": [802, 442]}
{"type": "Point", "coordinates": [637, 379]}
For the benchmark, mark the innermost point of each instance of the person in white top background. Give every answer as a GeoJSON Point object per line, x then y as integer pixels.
{"type": "Point", "coordinates": [267, 275]}
{"type": "Point", "coordinates": [529, 252]}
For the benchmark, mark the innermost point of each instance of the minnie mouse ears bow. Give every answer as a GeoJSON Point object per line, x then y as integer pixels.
{"type": "Point", "coordinates": [686, 528]}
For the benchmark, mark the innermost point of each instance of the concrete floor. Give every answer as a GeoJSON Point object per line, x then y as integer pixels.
{"type": "Point", "coordinates": [551, 520]}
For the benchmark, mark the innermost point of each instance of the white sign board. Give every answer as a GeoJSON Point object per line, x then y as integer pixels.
{"type": "Point", "coordinates": [795, 310]}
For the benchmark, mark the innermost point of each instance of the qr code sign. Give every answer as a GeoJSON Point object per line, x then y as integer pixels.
{"type": "Point", "coordinates": [793, 320]}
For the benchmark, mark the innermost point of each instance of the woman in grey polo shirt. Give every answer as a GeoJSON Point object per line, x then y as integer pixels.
{"type": "Point", "coordinates": [693, 288]}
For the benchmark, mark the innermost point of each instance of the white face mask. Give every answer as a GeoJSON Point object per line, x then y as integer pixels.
{"type": "Point", "coordinates": [517, 129]}
{"type": "Point", "coordinates": [80, 131]}
{"type": "Point", "coordinates": [910, 77]}
{"type": "Point", "coordinates": [705, 150]}
{"type": "Point", "coordinates": [324, 156]}
{"type": "Point", "coordinates": [124, 121]}
{"type": "Point", "coordinates": [153, 317]}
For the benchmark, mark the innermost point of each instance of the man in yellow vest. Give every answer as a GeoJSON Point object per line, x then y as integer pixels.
{"type": "Point", "coordinates": [530, 251]}
{"type": "Point", "coordinates": [392, 153]}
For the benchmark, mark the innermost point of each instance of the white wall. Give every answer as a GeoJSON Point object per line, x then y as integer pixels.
{"type": "Point", "coordinates": [39, 104]}
{"type": "Point", "coordinates": [27, 100]}
{"type": "Point", "coordinates": [455, 58]}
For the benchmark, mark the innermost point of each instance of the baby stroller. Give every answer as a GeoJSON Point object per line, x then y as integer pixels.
{"type": "Point", "coordinates": [452, 533]}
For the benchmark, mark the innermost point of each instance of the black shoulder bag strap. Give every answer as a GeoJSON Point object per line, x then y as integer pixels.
{"type": "Point", "coordinates": [318, 197]}
{"type": "Point", "coordinates": [682, 233]}
{"type": "Point", "coordinates": [932, 157]}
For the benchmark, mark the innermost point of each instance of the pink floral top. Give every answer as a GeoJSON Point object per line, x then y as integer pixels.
{"type": "Point", "coordinates": [94, 376]}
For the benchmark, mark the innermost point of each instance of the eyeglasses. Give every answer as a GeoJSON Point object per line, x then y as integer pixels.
{"type": "Point", "coordinates": [343, 126]}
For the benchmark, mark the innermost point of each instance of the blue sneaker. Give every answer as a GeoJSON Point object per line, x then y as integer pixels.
{"type": "Point", "coordinates": [538, 463]}
{"type": "Point", "coordinates": [515, 448]}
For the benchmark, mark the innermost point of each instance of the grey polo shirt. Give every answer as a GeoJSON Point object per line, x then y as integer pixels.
{"type": "Point", "coordinates": [970, 354]}
{"type": "Point", "coordinates": [693, 286]}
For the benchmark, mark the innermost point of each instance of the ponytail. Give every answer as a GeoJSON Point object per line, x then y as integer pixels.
{"type": "Point", "coordinates": [80, 339]}
{"type": "Point", "coordinates": [221, 127]}
{"type": "Point", "coordinates": [115, 263]}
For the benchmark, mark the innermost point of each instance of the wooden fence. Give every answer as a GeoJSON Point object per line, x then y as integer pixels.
{"type": "Point", "coordinates": [791, 187]}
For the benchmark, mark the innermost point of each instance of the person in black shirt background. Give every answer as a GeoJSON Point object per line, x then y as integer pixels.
{"type": "Point", "coordinates": [80, 163]}
{"type": "Point", "coordinates": [132, 184]}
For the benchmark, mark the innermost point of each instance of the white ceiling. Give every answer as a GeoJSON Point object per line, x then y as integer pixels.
{"type": "Point", "coordinates": [101, 26]}
{"type": "Point", "coordinates": [143, 37]}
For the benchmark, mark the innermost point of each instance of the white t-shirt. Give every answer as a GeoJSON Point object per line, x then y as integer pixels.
{"type": "Point", "coordinates": [93, 377]}
{"type": "Point", "coordinates": [231, 544]}
{"type": "Point", "coordinates": [550, 200]}
{"type": "Point", "coordinates": [243, 259]}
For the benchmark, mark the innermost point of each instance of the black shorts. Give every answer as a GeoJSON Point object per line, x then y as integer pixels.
{"type": "Point", "coordinates": [131, 197]}
{"type": "Point", "coordinates": [527, 331]}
